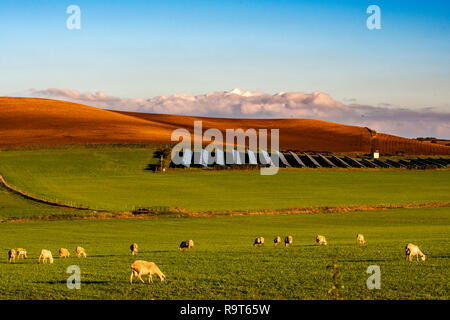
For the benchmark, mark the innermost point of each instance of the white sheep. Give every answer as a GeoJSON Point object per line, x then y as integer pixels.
{"type": "Point", "coordinates": [276, 241]}
{"type": "Point", "coordinates": [360, 238]}
{"type": "Point", "coordinates": [140, 268]}
{"type": "Point", "coordinates": [21, 253]}
{"type": "Point", "coordinates": [412, 250]}
{"type": "Point", "coordinates": [288, 241]}
{"type": "Point", "coordinates": [80, 252]}
{"type": "Point", "coordinates": [259, 241]}
{"type": "Point", "coordinates": [321, 240]}
{"type": "Point", "coordinates": [45, 254]}
{"type": "Point", "coordinates": [134, 249]}
{"type": "Point", "coordinates": [186, 244]}
{"type": "Point", "coordinates": [64, 253]}
{"type": "Point", "coordinates": [12, 256]}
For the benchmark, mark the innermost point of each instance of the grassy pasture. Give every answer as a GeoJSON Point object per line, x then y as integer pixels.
{"type": "Point", "coordinates": [116, 179]}
{"type": "Point", "coordinates": [15, 207]}
{"type": "Point", "coordinates": [224, 265]}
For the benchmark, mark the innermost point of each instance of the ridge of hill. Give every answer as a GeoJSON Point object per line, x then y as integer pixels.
{"type": "Point", "coordinates": [35, 121]}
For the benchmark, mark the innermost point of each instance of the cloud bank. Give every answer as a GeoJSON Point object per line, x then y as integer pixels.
{"type": "Point", "coordinates": [244, 104]}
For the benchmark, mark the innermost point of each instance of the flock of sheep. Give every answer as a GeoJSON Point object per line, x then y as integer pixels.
{"type": "Point", "coordinates": [45, 254]}
{"type": "Point", "coordinates": [288, 240]}
{"type": "Point", "coordinates": [411, 250]}
{"type": "Point", "coordinates": [140, 267]}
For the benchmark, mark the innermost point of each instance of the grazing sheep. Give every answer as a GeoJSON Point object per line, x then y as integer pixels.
{"type": "Point", "coordinates": [12, 255]}
{"type": "Point", "coordinates": [259, 241]}
{"type": "Point", "coordinates": [360, 238]}
{"type": "Point", "coordinates": [45, 254]}
{"type": "Point", "coordinates": [134, 249]}
{"type": "Point", "coordinates": [64, 253]}
{"type": "Point", "coordinates": [140, 268]}
{"type": "Point", "coordinates": [321, 240]}
{"type": "Point", "coordinates": [80, 252]}
{"type": "Point", "coordinates": [412, 250]}
{"type": "Point", "coordinates": [288, 241]}
{"type": "Point", "coordinates": [276, 241]}
{"type": "Point", "coordinates": [21, 253]}
{"type": "Point", "coordinates": [186, 244]}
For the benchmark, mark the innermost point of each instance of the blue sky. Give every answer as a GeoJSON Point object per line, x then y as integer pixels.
{"type": "Point", "coordinates": [143, 49]}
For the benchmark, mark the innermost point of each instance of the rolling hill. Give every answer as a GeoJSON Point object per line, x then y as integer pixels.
{"type": "Point", "coordinates": [33, 121]}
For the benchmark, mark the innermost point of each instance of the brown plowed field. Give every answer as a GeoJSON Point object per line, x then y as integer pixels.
{"type": "Point", "coordinates": [32, 121]}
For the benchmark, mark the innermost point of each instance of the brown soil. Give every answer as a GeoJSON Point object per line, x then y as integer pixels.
{"type": "Point", "coordinates": [33, 121]}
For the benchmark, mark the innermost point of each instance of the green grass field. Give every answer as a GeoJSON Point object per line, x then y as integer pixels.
{"type": "Point", "coordinates": [13, 206]}
{"type": "Point", "coordinates": [224, 265]}
{"type": "Point", "coordinates": [115, 179]}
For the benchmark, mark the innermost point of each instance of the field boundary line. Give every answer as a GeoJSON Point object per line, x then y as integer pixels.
{"type": "Point", "coordinates": [319, 209]}
{"type": "Point", "coordinates": [36, 199]}
{"type": "Point", "coordinates": [181, 213]}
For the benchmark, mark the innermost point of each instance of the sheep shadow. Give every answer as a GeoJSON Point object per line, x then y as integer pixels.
{"type": "Point", "coordinates": [65, 282]}
{"type": "Point", "coordinates": [151, 167]}
{"type": "Point", "coordinates": [140, 253]}
{"type": "Point", "coordinates": [17, 262]}
{"type": "Point", "coordinates": [309, 245]}
{"type": "Point", "coordinates": [107, 255]}
{"type": "Point", "coordinates": [363, 260]}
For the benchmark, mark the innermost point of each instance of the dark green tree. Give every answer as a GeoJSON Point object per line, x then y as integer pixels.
{"type": "Point", "coordinates": [162, 153]}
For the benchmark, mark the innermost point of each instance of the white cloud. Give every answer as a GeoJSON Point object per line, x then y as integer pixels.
{"type": "Point", "coordinates": [244, 104]}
